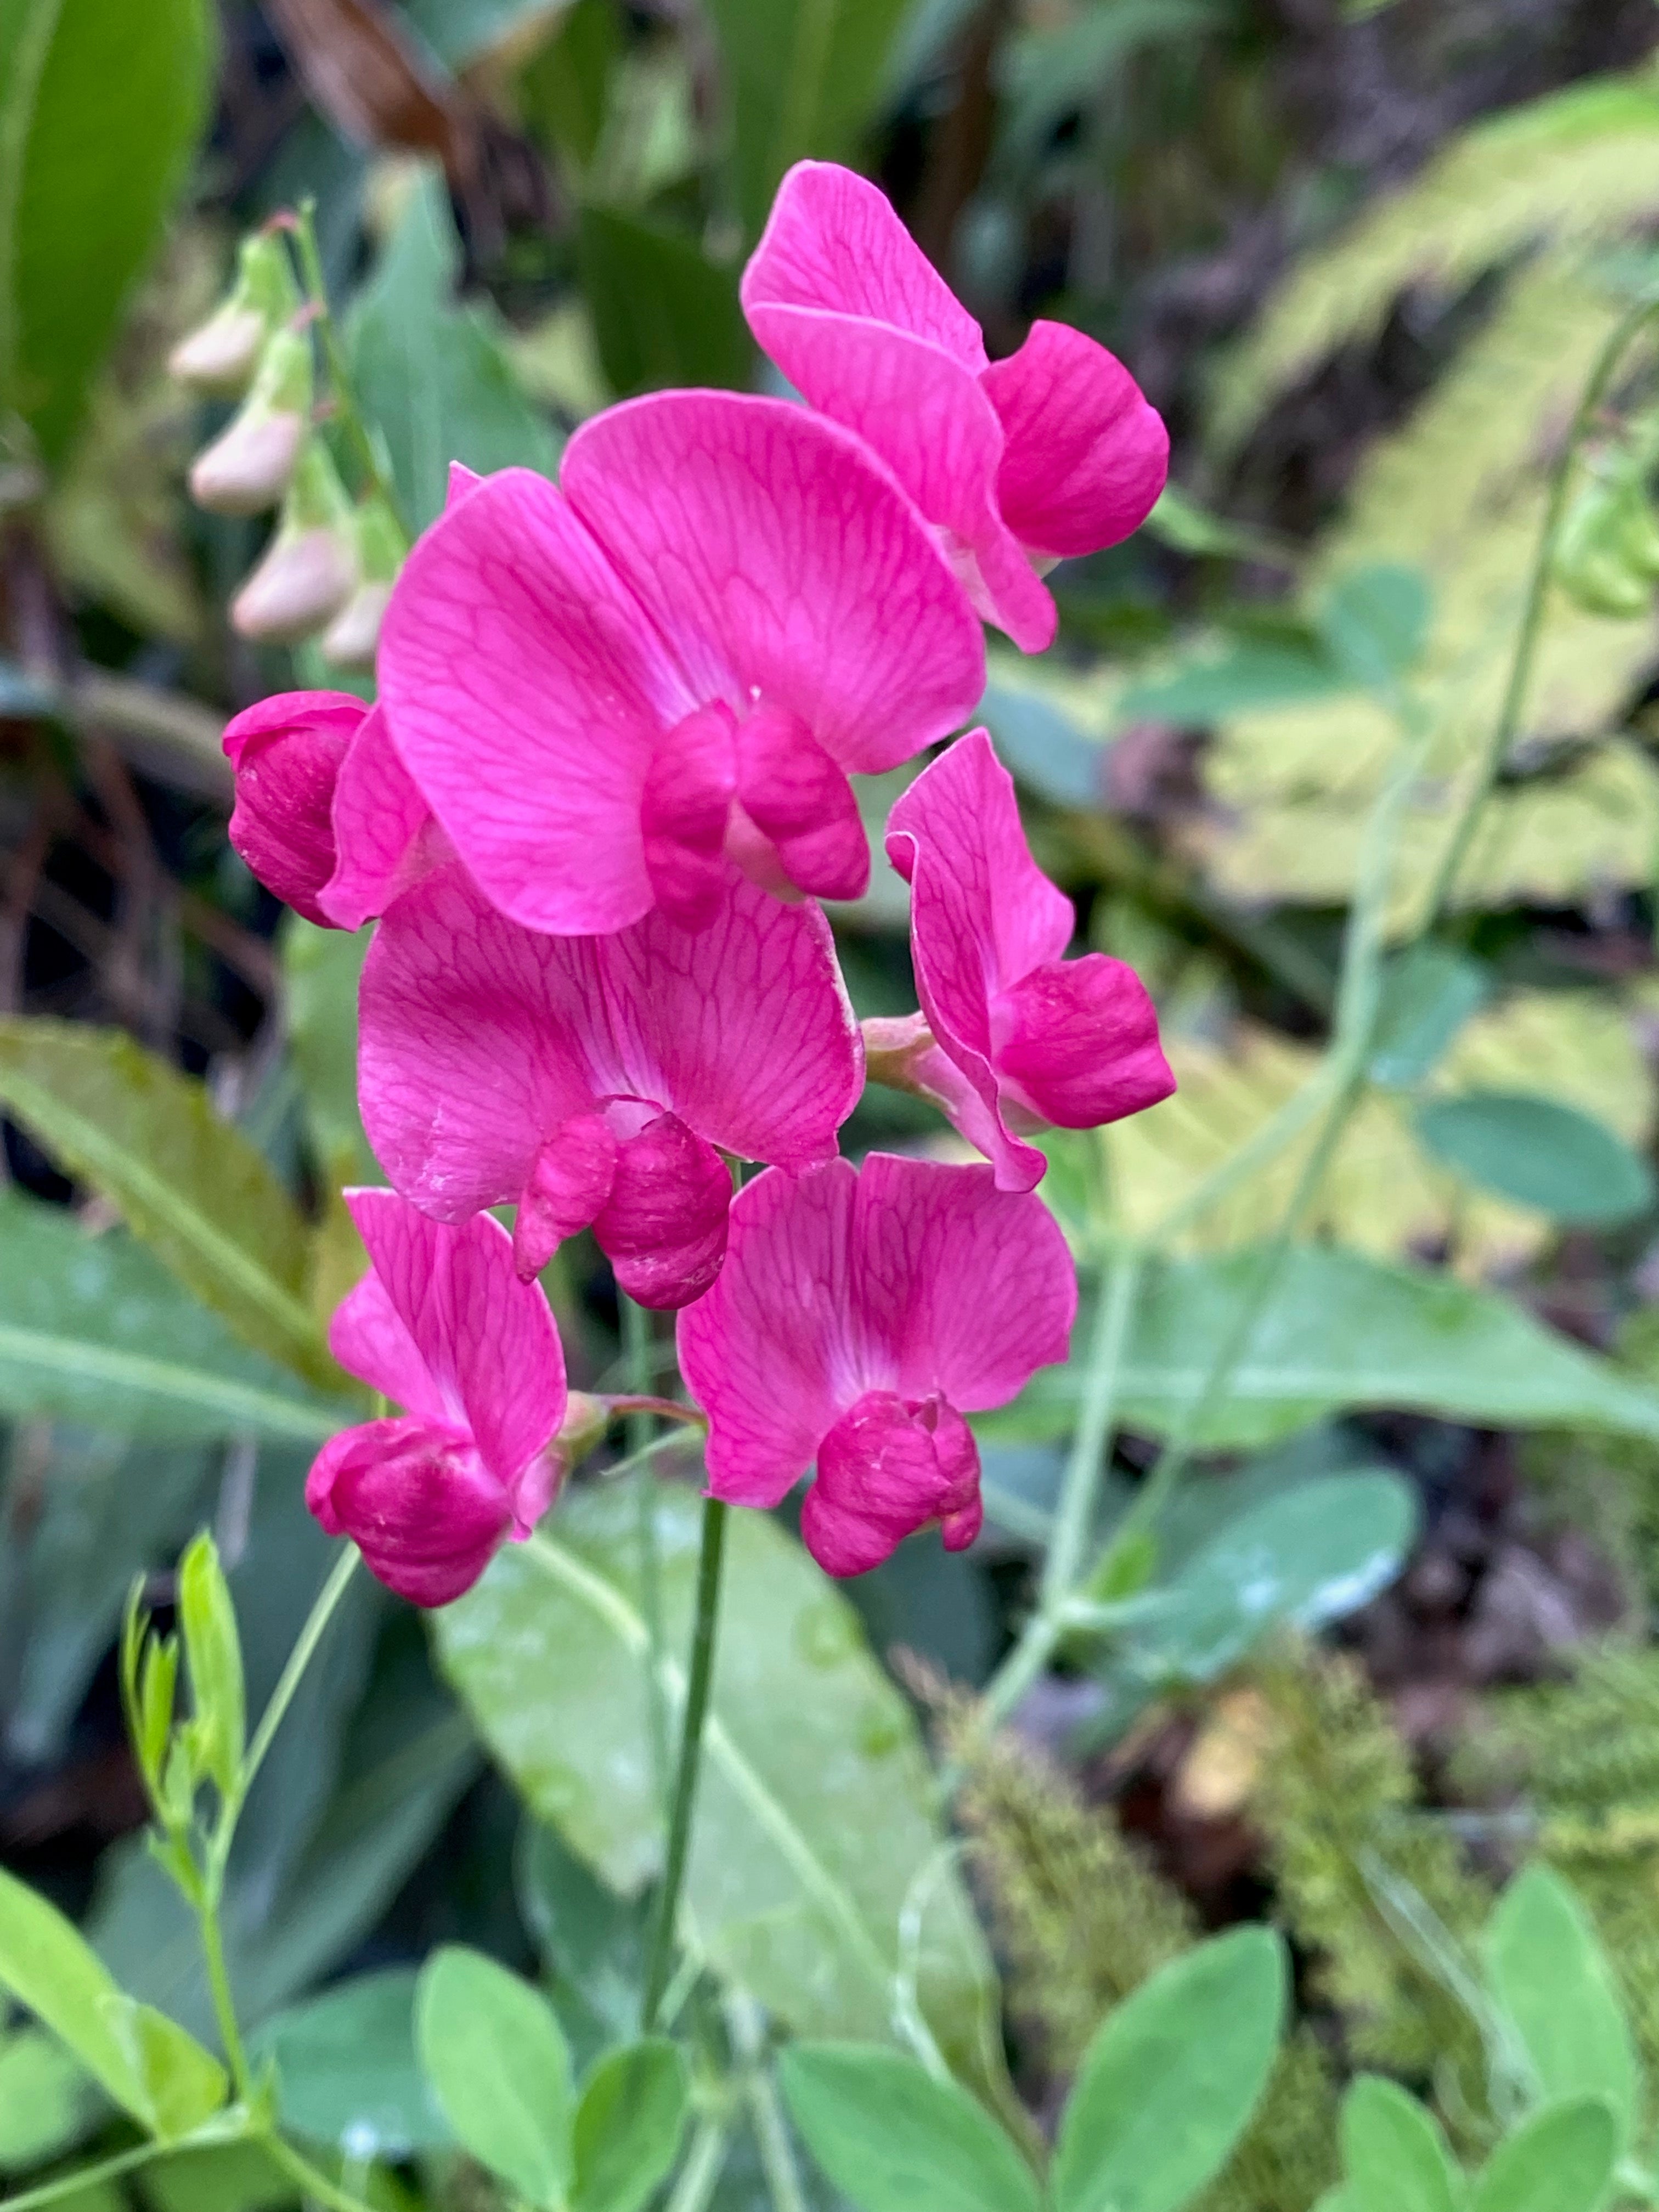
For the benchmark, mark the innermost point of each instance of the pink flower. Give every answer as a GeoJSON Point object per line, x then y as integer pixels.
{"type": "Point", "coordinates": [325, 814]}
{"type": "Point", "coordinates": [1012, 1036]}
{"type": "Point", "coordinates": [442, 1326]}
{"type": "Point", "coordinates": [859, 1317]}
{"type": "Point", "coordinates": [678, 655]}
{"type": "Point", "coordinates": [1049, 453]}
{"type": "Point", "coordinates": [590, 1078]}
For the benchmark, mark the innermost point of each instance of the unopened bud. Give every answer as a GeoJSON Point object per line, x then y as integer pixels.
{"type": "Point", "coordinates": [247, 467]}
{"type": "Point", "coordinates": [892, 1048]}
{"type": "Point", "coordinates": [221, 354]}
{"type": "Point", "coordinates": [586, 1421]}
{"type": "Point", "coordinates": [352, 638]}
{"type": "Point", "coordinates": [309, 569]}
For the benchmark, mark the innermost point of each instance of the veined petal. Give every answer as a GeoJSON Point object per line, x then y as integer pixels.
{"type": "Point", "coordinates": [782, 563]}
{"type": "Point", "coordinates": [424, 1511]}
{"type": "Point", "coordinates": [886, 1469]}
{"type": "Point", "coordinates": [1086, 453]}
{"type": "Point", "coordinates": [383, 828]}
{"type": "Point", "coordinates": [287, 754]}
{"type": "Point", "coordinates": [664, 1228]}
{"type": "Point", "coordinates": [487, 1339]}
{"type": "Point", "coordinates": [803, 805]}
{"type": "Point", "coordinates": [527, 692]}
{"type": "Point", "coordinates": [1076, 1042]}
{"type": "Point", "coordinates": [568, 1183]}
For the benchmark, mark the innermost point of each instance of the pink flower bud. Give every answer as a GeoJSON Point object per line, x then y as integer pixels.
{"type": "Point", "coordinates": [309, 569]}
{"type": "Point", "coordinates": [222, 355]}
{"type": "Point", "coordinates": [350, 639]}
{"type": "Point", "coordinates": [249, 465]}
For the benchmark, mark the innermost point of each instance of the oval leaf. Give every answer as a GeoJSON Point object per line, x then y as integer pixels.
{"type": "Point", "coordinates": [1394, 2155]}
{"type": "Point", "coordinates": [892, 2139]}
{"type": "Point", "coordinates": [347, 2073]}
{"type": "Point", "coordinates": [629, 2126]}
{"type": "Point", "coordinates": [1308, 1556]}
{"type": "Point", "coordinates": [1538, 1152]}
{"type": "Point", "coordinates": [45, 1963]}
{"type": "Point", "coordinates": [1550, 1975]}
{"type": "Point", "coordinates": [1171, 2078]}
{"type": "Point", "coordinates": [500, 2068]}
{"type": "Point", "coordinates": [1428, 994]}
{"type": "Point", "coordinates": [1560, 2160]}
{"type": "Point", "coordinates": [183, 2084]}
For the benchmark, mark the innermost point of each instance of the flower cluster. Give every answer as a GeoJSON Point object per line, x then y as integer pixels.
{"type": "Point", "coordinates": [606, 780]}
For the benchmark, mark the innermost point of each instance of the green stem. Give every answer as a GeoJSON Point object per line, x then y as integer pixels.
{"type": "Point", "coordinates": [700, 2173]}
{"type": "Point", "coordinates": [88, 2177]}
{"type": "Point", "coordinates": [313, 2183]}
{"type": "Point", "coordinates": [637, 1344]}
{"type": "Point", "coordinates": [1505, 730]}
{"type": "Point", "coordinates": [224, 2005]}
{"type": "Point", "coordinates": [347, 412]}
{"type": "Point", "coordinates": [777, 2153]}
{"type": "Point", "coordinates": [699, 1681]}
{"type": "Point", "coordinates": [299, 1659]}
{"type": "Point", "coordinates": [1079, 1494]}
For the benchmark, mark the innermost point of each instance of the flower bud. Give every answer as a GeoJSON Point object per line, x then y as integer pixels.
{"type": "Point", "coordinates": [220, 355]}
{"type": "Point", "coordinates": [350, 639]}
{"type": "Point", "coordinates": [586, 1421]}
{"type": "Point", "coordinates": [247, 467]}
{"type": "Point", "coordinates": [309, 569]}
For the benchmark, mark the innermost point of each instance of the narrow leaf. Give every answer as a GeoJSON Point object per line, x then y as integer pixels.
{"type": "Point", "coordinates": [47, 1965]}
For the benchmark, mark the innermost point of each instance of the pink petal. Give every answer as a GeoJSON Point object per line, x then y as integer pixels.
{"type": "Point", "coordinates": [1076, 1042]}
{"type": "Point", "coordinates": [1086, 453]}
{"type": "Point", "coordinates": [960, 1289]}
{"type": "Point", "coordinates": [779, 560]}
{"type": "Point", "coordinates": [887, 1468]}
{"type": "Point", "coordinates": [803, 806]}
{"type": "Point", "coordinates": [383, 829]}
{"type": "Point", "coordinates": [906, 1277]}
{"type": "Point", "coordinates": [371, 1341]}
{"type": "Point", "coordinates": [287, 753]}
{"type": "Point", "coordinates": [425, 1513]}
{"type": "Point", "coordinates": [480, 1039]}
{"type": "Point", "coordinates": [477, 1039]}
{"type": "Point", "coordinates": [766, 1352]}
{"type": "Point", "coordinates": [568, 1185]}
{"type": "Point", "coordinates": [487, 1339]}
{"type": "Point", "coordinates": [683, 806]}
{"type": "Point", "coordinates": [833, 241]}
{"type": "Point", "coordinates": [460, 481]}
{"type": "Point", "coordinates": [527, 694]}
{"type": "Point", "coordinates": [663, 1228]}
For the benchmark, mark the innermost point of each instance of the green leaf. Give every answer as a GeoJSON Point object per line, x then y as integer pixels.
{"type": "Point", "coordinates": [499, 2065]}
{"type": "Point", "coordinates": [1375, 623]}
{"type": "Point", "coordinates": [45, 2099]}
{"type": "Point", "coordinates": [347, 2074]}
{"type": "Point", "coordinates": [1309, 1555]}
{"type": "Point", "coordinates": [182, 2084]}
{"type": "Point", "coordinates": [803, 77]}
{"type": "Point", "coordinates": [1428, 994]}
{"type": "Point", "coordinates": [815, 1822]}
{"type": "Point", "coordinates": [47, 1965]}
{"type": "Point", "coordinates": [1549, 1971]}
{"type": "Point", "coordinates": [432, 375]}
{"type": "Point", "coordinates": [1338, 1330]}
{"type": "Point", "coordinates": [213, 1650]}
{"type": "Point", "coordinates": [1169, 2081]}
{"type": "Point", "coordinates": [893, 2139]}
{"type": "Point", "coordinates": [1540, 1153]}
{"type": "Point", "coordinates": [1043, 746]}
{"type": "Point", "coordinates": [100, 106]}
{"type": "Point", "coordinates": [1560, 2160]}
{"type": "Point", "coordinates": [663, 313]}
{"type": "Point", "coordinates": [236, 2177]}
{"type": "Point", "coordinates": [629, 2126]}
{"type": "Point", "coordinates": [92, 1330]}
{"type": "Point", "coordinates": [592, 1942]}
{"type": "Point", "coordinates": [1394, 2155]}
{"type": "Point", "coordinates": [185, 1182]}
{"type": "Point", "coordinates": [1249, 673]}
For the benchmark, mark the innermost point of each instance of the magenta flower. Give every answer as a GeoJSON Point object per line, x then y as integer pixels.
{"type": "Point", "coordinates": [589, 1079]}
{"type": "Point", "coordinates": [859, 1317]}
{"type": "Point", "coordinates": [325, 814]}
{"type": "Point", "coordinates": [1049, 453]}
{"type": "Point", "coordinates": [442, 1326]}
{"type": "Point", "coordinates": [605, 690]}
{"type": "Point", "coordinates": [1012, 1036]}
